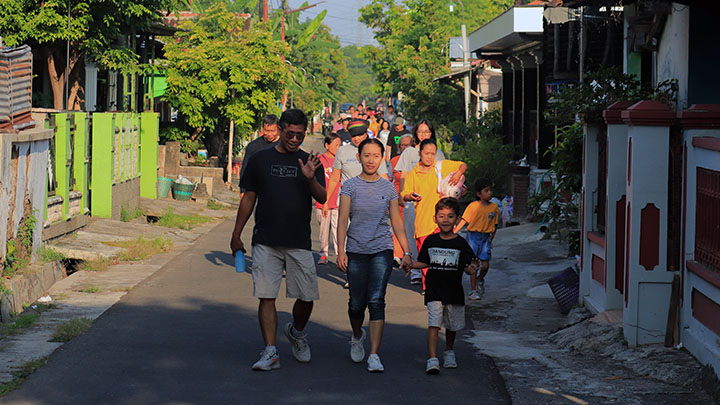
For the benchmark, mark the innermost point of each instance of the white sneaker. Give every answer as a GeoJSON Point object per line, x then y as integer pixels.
{"type": "Point", "coordinates": [416, 281]}
{"type": "Point", "coordinates": [374, 364]}
{"type": "Point", "coordinates": [269, 360]}
{"type": "Point", "coordinates": [357, 350]}
{"type": "Point", "coordinates": [449, 359]}
{"type": "Point", "coordinates": [474, 295]}
{"type": "Point", "coordinates": [433, 366]}
{"type": "Point", "coordinates": [300, 348]}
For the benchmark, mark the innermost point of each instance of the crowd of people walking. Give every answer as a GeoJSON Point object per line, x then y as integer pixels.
{"type": "Point", "coordinates": [377, 186]}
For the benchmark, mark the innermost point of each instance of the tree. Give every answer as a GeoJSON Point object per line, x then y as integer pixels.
{"type": "Point", "coordinates": [362, 84]}
{"type": "Point", "coordinates": [412, 35]}
{"type": "Point", "coordinates": [96, 29]}
{"type": "Point", "coordinates": [319, 72]}
{"type": "Point", "coordinates": [219, 70]}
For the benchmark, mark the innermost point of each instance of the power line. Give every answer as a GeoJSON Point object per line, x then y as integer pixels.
{"type": "Point", "coordinates": [334, 17]}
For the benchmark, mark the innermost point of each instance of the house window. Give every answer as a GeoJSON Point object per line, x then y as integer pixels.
{"type": "Point", "coordinates": [707, 219]}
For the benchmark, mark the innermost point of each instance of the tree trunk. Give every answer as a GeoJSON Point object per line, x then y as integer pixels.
{"type": "Point", "coordinates": [196, 134]}
{"type": "Point", "coordinates": [56, 80]}
{"type": "Point", "coordinates": [76, 92]}
{"type": "Point", "coordinates": [215, 142]}
{"type": "Point", "coordinates": [74, 100]}
{"type": "Point", "coordinates": [57, 76]}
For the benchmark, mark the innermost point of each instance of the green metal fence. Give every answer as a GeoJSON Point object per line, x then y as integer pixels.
{"type": "Point", "coordinates": [92, 152]}
{"type": "Point", "coordinates": [124, 147]}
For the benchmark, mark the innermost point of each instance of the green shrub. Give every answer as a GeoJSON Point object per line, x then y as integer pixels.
{"type": "Point", "coordinates": [187, 145]}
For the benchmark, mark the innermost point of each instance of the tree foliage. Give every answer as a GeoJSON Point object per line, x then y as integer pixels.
{"type": "Point", "coordinates": [362, 83]}
{"type": "Point", "coordinates": [319, 72]}
{"type": "Point", "coordinates": [481, 147]}
{"type": "Point", "coordinates": [412, 35]}
{"type": "Point", "coordinates": [95, 30]}
{"type": "Point", "coordinates": [219, 70]}
{"type": "Point", "coordinates": [317, 63]}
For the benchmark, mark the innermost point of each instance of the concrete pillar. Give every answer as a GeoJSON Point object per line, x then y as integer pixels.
{"type": "Point", "coordinates": [589, 187]}
{"type": "Point", "coordinates": [647, 280]}
{"type": "Point", "coordinates": [617, 147]}
{"type": "Point", "coordinates": [700, 310]}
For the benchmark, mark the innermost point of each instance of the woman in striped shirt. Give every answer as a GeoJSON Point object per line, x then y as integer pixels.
{"type": "Point", "coordinates": [370, 204]}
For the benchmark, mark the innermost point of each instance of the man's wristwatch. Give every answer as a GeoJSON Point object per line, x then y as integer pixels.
{"type": "Point", "coordinates": [408, 254]}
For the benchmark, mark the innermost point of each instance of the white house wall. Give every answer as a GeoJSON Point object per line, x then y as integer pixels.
{"type": "Point", "coordinates": [673, 51]}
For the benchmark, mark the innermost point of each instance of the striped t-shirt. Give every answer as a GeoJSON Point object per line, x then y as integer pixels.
{"type": "Point", "coordinates": [369, 231]}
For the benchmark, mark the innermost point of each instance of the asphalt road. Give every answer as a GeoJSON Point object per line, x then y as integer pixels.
{"type": "Point", "coordinates": [188, 335]}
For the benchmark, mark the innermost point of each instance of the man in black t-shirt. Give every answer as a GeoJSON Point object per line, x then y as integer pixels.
{"type": "Point", "coordinates": [269, 137]}
{"type": "Point", "coordinates": [283, 180]}
{"type": "Point", "coordinates": [393, 141]}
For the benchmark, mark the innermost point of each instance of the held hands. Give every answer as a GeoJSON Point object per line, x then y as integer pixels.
{"type": "Point", "coordinates": [308, 169]}
{"type": "Point", "coordinates": [406, 264]}
{"type": "Point", "coordinates": [473, 266]}
{"type": "Point", "coordinates": [325, 210]}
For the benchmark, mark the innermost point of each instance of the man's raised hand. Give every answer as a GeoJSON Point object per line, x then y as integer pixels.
{"type": "Point", "coordinates": [308, 169]}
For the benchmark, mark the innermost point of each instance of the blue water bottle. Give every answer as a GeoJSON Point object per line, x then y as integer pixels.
{"type": "Point", "coordinates": [240, 261]}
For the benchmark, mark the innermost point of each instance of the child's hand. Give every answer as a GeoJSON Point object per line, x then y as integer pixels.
{"type": "Point", "coordinates": [472, 266]}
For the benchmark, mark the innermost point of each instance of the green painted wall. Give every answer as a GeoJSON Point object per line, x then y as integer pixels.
{"type": "Point", "coordinates": [149, 133]}
{"type": "Point", "coordinates": [81, 157]}
{"type": "Point", "coordinates": [63, 161]}
{"type": "Point", "coordinates": [102, 172]}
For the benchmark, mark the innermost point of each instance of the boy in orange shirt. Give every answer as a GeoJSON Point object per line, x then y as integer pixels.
{"type": "Point", "coordinates": [481, 217]}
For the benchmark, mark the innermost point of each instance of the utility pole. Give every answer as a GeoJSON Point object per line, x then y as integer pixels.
{"type": "Point", "coordinates": [466, 64]}
{"type": "Point", "coordinates": [230, 151]}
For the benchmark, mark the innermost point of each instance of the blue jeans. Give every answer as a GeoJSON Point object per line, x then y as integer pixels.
{"type": "Point", "coordinates": [368, 276]}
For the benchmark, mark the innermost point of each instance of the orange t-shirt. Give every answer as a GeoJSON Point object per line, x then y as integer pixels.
{"type": "Point", "coordinates": [481, 217]}
{"type": "Point", "coordinates": [396, 174]}
{"type": "Point", "coordinates": [426, 184]}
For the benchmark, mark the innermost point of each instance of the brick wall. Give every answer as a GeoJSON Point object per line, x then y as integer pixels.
{"type": "Point", "coordinates": [520, 190]}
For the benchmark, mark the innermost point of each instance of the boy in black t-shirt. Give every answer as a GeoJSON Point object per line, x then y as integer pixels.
{"type": "Point", "coordinates": [446, 255]}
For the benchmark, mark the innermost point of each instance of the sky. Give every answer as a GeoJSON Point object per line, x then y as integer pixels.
{"type": "Point", "coordinates": [342, 18]}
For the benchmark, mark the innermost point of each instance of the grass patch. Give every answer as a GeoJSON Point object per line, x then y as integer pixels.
{"type": "Point", "coordinates": [99, 264]}
{"type": "Point", "coordinates": [127, 216]}
{"type": "Point", "coordinates": [48, 254]}
{"type": "Point", "coordinates": [214, 205]}
{"type": "Point", "coordinates": [68, 330]}
{"type": "Point", "coordinates": [141, 248]}
{"type": "Point", "coordinates": [170, 219]}
{"type": "Point", "coordinates": [21, 374]}
{"type": "Point", "coordinates": [22, 323]}
{"type": "Point", "coordinates": [91, 289]}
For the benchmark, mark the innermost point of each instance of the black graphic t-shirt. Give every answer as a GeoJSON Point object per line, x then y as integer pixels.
{"type": "Point", "coordinates": [284, 202]}
{"type": "Point", "coordinates": [447, 259]}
